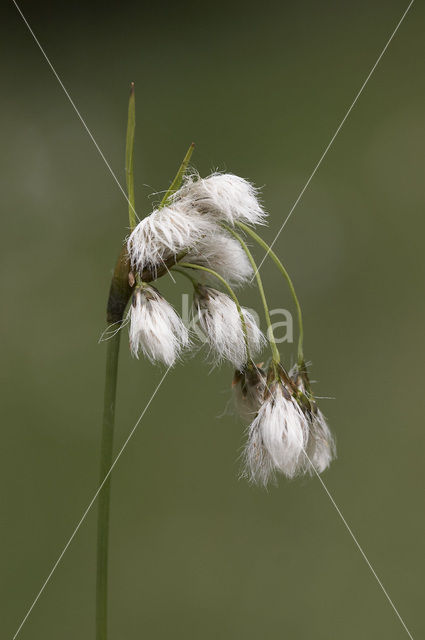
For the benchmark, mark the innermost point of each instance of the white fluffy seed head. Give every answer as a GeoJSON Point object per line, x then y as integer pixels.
{"type": "Point", "coordinates": [258, 465]}
{"type": "Point", "coordinates": [321, 449]}
{"type": "Point", "coordinates": [223, 254]}
{"type": "Point", "coordinates": [155, 328]}
{"type": "Point", "coordinates": [165, 233]}
{"type": "Point", "coordinates": [248, 392]}
{"type": "Point", "coordinates": [281, 428]}
{"type": "Point", "coordinates": [221, 324]}
{"type": "Point", "coordinates": [222, 196]}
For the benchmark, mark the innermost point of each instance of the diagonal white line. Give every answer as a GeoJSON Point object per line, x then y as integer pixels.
{"type": "Point", "coordinates": [83, 121]}
{"type": "Point", "coordinates": [167, 371]}
{"type": "Point", "coordinates": [334, 136]}
{"type": "Point", "coordinates": [89, 506]}
{"type": "Point", "coordinates": [75, 108]}
{"type": "Point", "coordinates": [357, 543]}
{"type": "Point", "coordinates": [361, 550]}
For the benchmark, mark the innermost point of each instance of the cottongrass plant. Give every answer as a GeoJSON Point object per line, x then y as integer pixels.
{"type": "Point", "coordinates": [200, 230]}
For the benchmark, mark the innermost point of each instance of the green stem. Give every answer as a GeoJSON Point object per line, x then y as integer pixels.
{"type": "Point", "coordinates": [278, 263]}
{"type": "Point", "coordinates": [185, 273]}
{"type": "Point", "coordinates": [232, 294]}
{"type": "Point", "coordinates": [113, 346]}
{"type": "Point", "coordinates": [179, 177]}
{"type": "Point", "coordinates": [129, 170]}
{"type": "Point", "coordinates": [270, 334]}
{"type": "Point", "coordinates": [119, 294]}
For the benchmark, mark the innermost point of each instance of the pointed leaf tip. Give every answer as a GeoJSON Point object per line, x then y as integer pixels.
{"type": "Point", "coordinates": [175, 185]}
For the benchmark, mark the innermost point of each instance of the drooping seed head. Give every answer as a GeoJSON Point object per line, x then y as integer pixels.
{"type": "Point", "coordinates": [258, 465]}
{"type": "Point", "coordinates": [164, 233]}
{"type": "Point", "coordinates": [225, 255]}
{"type": "Point", "coordinates": [281, 428]}
{"type": "Point", "coordinates": [221, 324]}
{"type": "Point", "coordinates": [155, 328]}
{"type": "Point", "coordinates": [223, 196]}
{"type": "Point", "coordinates": [321, 448]}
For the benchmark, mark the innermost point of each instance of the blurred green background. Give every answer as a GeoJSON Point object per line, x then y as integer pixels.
{"type": "Point", "coordinates": [195, 552]}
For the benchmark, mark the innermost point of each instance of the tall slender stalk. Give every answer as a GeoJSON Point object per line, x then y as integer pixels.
{"type": "Point", "coordinates": [119, 295]}
{"type": "Point", "coordinates": [278, 263]}
{"type": "Point", "coordinates": [113, 347]}
{"type": "Point", "coordinates": [129, 157]}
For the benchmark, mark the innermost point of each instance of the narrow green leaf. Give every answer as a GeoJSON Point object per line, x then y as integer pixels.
{"type": "Point", "coordinates": [129, 172]}
{"type": "Point", "coordinates": [179, 176]}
